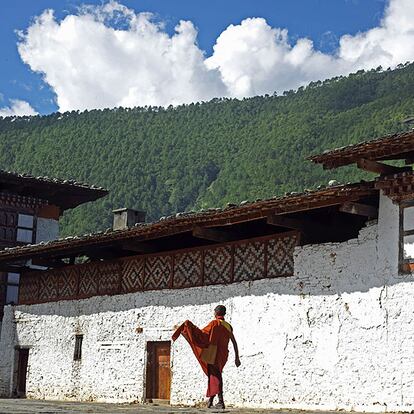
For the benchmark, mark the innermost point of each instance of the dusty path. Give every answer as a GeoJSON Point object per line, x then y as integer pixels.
{"type": "Point", "coordinates": [21, 406]}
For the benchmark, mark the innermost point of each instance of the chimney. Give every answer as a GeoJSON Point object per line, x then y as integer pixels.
{"type": "Point", "coordinates": [126, 217]}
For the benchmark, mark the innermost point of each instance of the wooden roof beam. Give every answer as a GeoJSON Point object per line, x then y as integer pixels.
{"type": "Point", "coordinates": [409, 158]}
{"type": "Point", "coordinates": [98, 254]}
{"type": "Point", "coordinates": [359, 209]}
{"type": "Point", "coordinates": [54, 263]}
{"type": "Point", "coordinates": [379, 167]}
{"type": "Point", "coordinates": [138, 247]}
{"type": "Point", "coordinates": [305, 226]}
{"type": "Point", "coordinates": [288, 222]}
{"type": "Point", "coordinates": [17, 269]}
{"type": "Point", "coordinates": [215, 235]}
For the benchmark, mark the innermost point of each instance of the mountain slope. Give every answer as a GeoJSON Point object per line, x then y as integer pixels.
{"type": "Point", "coordinates": [207, 154]}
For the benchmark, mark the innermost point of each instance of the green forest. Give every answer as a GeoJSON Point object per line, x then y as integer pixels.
{"type": "Point", "coordinates": [192, 157]}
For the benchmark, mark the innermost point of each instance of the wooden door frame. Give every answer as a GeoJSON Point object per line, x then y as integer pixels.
{"type": "Point", "coordinates": [148, 386]}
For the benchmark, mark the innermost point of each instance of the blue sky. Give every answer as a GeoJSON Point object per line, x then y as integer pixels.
{"type": "Point", "coordinates": [323, 21]}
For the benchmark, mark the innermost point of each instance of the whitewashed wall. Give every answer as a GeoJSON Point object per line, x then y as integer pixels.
{"type": "Point", "coordinates": [338, 334]}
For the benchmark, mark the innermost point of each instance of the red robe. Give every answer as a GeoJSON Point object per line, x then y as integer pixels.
{"type": "Point", "coordinates": [210, 344]}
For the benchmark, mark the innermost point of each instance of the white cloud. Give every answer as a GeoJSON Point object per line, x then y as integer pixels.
{"type": "Point", "coordinates": [110, 56]}
{"type": "Point", "coordinates": [92, 65]}
{"type": "Point", "coordinates": [17, 108]}
{"type": "Point", "coordinates": [254, 59]}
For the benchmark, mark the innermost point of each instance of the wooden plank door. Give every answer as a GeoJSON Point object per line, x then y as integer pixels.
{"type": "Point", "coordinates": [158, 371]}
{"type": "Point", "coordinates": [22, 363]}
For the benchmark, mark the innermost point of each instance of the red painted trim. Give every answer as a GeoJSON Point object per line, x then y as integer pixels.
{"type": "Point", "coordinates": [119, 264]}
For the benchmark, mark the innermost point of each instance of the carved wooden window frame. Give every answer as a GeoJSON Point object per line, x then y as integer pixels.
{"type": "Point", "coordinates": [9, 225]}
{"type": "Point", "coordinates": [32, 229]}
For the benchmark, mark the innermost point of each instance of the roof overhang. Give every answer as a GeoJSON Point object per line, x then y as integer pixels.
{"type": "Point", "coordinates": [392, 147]}
{"type": "Point", "coordinates": [214, 225]}
{"type": "Point", "coordinates": [65, 194]}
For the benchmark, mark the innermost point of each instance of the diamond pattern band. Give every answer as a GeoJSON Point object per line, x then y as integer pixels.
{"type": "Point", "coordinates": [266, 257]}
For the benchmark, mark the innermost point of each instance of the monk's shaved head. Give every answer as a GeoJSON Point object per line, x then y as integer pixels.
{"type": "Point", "coordinates": [220, 310]}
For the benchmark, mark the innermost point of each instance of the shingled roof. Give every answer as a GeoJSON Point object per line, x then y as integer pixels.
{"type": "Point", "coordinates": [390, 147]}
{"type": "Point", "coordinates": [185, 222]}
{"type": "Point", "coordinates": [63, 193]}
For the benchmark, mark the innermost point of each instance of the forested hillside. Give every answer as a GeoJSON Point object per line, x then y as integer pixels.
{"type": "Point", "coordinates": [164, 160]}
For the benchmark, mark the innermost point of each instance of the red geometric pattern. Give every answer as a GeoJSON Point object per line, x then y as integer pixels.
{"type": "Point", "coordinates": [48, 286]}
{"type": "Point", "coordinates": [187, 269]}
{"type": "Point", "coordinates": [109, 274]}
{"type": "Point", "coordinates": [132, 274]}
{"type": "Point", "coordinates": [280, 256]}
{"type": "Point", "coordinates": [224, 264]}
{"type": "Point", "coordinates": [158, 271]}
{"type": "Point", "coordinates": [29, 288]}
{"type": "Point", "coordinates": [217, 265]}
{"type": "Point", "coordinates": [249, 261]}
{"type": "Point", "coordinates": [68, 283]}
{"type": "Point", "coordinates": [88, 280]}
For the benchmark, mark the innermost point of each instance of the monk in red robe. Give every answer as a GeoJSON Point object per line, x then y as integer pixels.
{"type": "Point", "coordinates": [210, 347]}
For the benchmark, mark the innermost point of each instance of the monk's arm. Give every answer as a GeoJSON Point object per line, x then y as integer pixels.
{"type": "Point", "coordinates": [236, 350]}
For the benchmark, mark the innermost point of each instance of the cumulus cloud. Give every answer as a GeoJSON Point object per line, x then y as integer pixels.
{"type": "Point", "coordinates": [254, 58]}
{"type": "Point", "coordinates": [17, 108]}
{"type": "Point", "coordinates": [90, 64]}
{"type": "Point", "coordinates": [110, 55]}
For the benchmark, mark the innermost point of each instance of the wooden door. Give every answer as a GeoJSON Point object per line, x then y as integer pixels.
{"type": "Point", "coordinates": [158, 371]}
{"type": "Point", "coordinates": [22, 362]}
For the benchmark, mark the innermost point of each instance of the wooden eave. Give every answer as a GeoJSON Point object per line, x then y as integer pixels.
{"type": "Point", "coordinates": [65, 194]}
{"type": "Point", "coordinates": [192, 223]}
{"type": "Point", "coordinates": [398, 187]}
{"type": "Point", "coordinates": [393, 147]}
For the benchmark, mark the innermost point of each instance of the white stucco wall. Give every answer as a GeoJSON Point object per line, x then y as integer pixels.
{"type": "Point", "coordinates": [337, 335]}
{"type": "Point", "coordinates": [46, 229]}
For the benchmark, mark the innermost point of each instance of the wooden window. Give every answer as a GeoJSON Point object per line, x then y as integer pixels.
{"type": "Point", "coordinates": [8, 225]}
{"type": "Point", "coordinates": [12, 288]}
{"type": "Point", "coordinates": [25, 228]}
{"type": "Point", "coordinates": [78, 348]}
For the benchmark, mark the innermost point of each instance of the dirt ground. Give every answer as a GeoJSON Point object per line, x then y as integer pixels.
{"type": "Point", "coordinates": [22, 406]}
